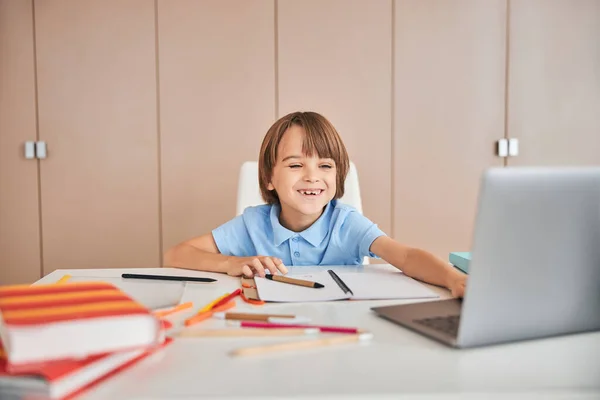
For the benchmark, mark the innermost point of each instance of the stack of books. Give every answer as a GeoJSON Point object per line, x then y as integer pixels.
{"type": "Point", "coordinates": [58, 340]}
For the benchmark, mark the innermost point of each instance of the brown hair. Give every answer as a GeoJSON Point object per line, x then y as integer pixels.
{"type": "Point", "coordinates": [321, 138]}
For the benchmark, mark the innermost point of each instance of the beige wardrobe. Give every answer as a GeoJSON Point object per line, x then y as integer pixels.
{"type": "Point", "coordinates": [146, 109]}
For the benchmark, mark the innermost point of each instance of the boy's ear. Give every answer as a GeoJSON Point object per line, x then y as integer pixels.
{"type": "Point", "coordinates": [270, 186]}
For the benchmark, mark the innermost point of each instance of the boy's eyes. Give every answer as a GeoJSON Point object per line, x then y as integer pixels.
{"type": "Point", "coordinates": [325, 166]}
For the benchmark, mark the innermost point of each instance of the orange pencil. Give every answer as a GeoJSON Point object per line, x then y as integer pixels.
{"type": "Point", "coordinates": [211, 305]}
{"type": "Point", "coordinates": [64, 278]}
{"type": "Point", "coordinates": [227, 298]}
{"type": "Point", "coordinates": [173, 310]}
{"type": "Point", "coordinates": [207, 314]}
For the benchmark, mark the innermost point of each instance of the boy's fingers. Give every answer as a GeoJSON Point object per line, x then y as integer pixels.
{"type": "Point", "coordinates": [247, 271]}
{"type": "Point", "coordinates": [282, 268]}
{"type": "Point", "coordinates": [270, 265]}
{"type": "Point", "coordinates": [258, 267]}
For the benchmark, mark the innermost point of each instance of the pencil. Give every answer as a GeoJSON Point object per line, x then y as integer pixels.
{"type": "Point", "coordinates": [324, 329]}
{"type": "Point", "coordinates": [251, 317]}
{"type": "Point", "coordinates": [227, 298]}
{"type": "Point", "coordinates": [207, 314]}
{"type": "Point", "coordinates": [173, 310]}
{"type": "Point", "coordinates": [294, 281]}
{"type": "Point", "coordinates": [305, 344]}
{"type": "Point", "coordinates": [212, 304]}
{"type": "Point", "coordinates": [167, 278]}
{"type": "Point", "coordinates": [246, 332]}
{"type": "Point", "coordinates": [64, 278]}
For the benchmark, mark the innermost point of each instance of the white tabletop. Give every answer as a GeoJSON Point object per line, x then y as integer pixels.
{"type": "Point", "coordinates": [397, 361]}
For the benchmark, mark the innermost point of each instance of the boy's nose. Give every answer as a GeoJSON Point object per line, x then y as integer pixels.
{"type": "Point", "coordinates": [311, 176]}
{"type": "Point", "coordinates": [311, 173]}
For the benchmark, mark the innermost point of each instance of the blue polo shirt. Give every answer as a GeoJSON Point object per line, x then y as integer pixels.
{"type": "Point", "coordinates": [341, 236]}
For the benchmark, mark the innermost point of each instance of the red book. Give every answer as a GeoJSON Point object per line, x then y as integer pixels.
{"type": "Point", "coordinates": [67, 378]}
{"type": "Point", "coordinates": [72, 320]}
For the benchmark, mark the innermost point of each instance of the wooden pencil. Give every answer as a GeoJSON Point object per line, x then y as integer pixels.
{"type": "Point", "coordinates": [251, 316]}
{"type": "Point", "coordinates": [294, 281]}
{"type": "Point", "coordinates": [246, 332]}
{"type": "Point", "coordinates": [305, 344]}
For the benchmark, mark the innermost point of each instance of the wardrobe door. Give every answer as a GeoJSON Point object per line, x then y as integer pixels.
{"type": "Point", "coordinates": [19, 200]}
{"type": "Point", "coordinates": [449, 84]}
{"type": "Point", "coordinates": [97, 102]}
{"type": "Point", "coordinates": [335, 58]}
{"type": "Point", "coordinates": [217, 100]}
{"type": "Point", "coordinates": [554, 82]}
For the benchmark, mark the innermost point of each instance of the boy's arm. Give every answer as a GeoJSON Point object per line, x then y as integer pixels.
{"type": "Point", "coordinates": [202, 254]}
{"type": "Point", "coordinates": [420, 264]}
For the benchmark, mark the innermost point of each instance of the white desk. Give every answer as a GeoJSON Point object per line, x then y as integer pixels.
{"type": "Point", "coordinates": [396, 362]}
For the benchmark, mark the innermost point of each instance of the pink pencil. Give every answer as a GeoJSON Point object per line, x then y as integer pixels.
{"type": "Point", "coordinates": [330, 329]}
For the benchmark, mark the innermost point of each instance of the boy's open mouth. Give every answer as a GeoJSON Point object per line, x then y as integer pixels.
{"type": "Point", "coordinates": [312, 192]}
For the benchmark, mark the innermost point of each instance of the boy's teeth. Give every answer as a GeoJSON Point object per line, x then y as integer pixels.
{"type": "Point", "coordinates": [313, 192]}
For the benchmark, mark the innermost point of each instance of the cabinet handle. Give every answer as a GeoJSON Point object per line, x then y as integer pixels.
{"type": "Point", "coordinates": [40, 150]}
{"type": "Point", "coordinates": [503, 148]}
{"type": "Point", "coordinates": [30, 149]}
{"type": "Point", "coordinates": [513, 147]}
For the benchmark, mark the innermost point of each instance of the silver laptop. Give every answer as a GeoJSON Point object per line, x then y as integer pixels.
{"type": "Point", "coordinates": [535, 262]}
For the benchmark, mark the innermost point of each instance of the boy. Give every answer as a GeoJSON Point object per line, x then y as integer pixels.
{"type": "Point", "coordinates": [302, 168]}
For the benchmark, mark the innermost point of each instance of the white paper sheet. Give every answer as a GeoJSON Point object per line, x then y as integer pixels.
{"type": "Point", "coordinates": [372, 285]}
{"type": "Point", "coordinates": [284, 292]}
{"type": "Point", "coordinates": [385, 285]}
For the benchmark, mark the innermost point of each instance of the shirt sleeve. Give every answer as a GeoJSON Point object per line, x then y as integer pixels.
{"type": "Point", "coordinates": [358, 233]}
{"type": "Point", "coordinates": [232, 238]}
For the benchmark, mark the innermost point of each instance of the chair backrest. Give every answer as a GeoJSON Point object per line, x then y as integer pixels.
{"type": "Point", "coordinates": [249, 191]}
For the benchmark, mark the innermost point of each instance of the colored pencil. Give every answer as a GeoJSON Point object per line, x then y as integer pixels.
{"type": "Point", "coordinates": [173, 310]}
{"type": "Point", "coordinates": [305, 344]}
{"type": "Point", "coordinates": [251, 316]}
{"type": "Point", "coordinates": [211, 305]}
{"type": "Point", "coordinates": [294, 281]}
{"type": "Point", "coordinates": [64, 278]}
{"type": "Point", "coordinates": [246, 332]}
{"type": "Point", "coordinates": [323, 329]}
{"type": "Point", "coordinates": [207, 314]}
{"type": "Point", "coordinates": [226, 299]}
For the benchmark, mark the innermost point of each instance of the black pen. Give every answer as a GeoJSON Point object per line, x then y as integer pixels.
{"type": "Point", "coordinates": [168, 278]}
{"type": "Point", "coordinates": [340, 282]}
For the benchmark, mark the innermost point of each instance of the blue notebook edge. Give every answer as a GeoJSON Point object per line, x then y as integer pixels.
{"type": "Point", "coordinates": [460, 259]}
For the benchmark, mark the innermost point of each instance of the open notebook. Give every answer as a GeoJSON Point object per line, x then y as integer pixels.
{"type": "Point", "coordinates": [364, 286]}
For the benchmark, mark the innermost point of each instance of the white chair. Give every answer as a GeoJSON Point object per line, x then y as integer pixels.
{"type": "Point", "coordinates": [249, 190]}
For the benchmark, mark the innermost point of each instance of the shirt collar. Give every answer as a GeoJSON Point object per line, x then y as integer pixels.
{"type": "Point", "coordinates": [314, 234]}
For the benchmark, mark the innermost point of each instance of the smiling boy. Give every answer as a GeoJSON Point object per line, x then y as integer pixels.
{"type": "Point", "coordinates": [303, 165]}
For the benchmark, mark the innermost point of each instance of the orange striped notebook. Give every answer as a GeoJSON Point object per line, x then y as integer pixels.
{"type": "Point", "coordinates": [72, 320]}
{"type": "Point", "coordinates": [66, 379]}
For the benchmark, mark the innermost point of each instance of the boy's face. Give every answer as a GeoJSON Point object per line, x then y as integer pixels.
{"type": "Point", "coordinates": [304, 184]}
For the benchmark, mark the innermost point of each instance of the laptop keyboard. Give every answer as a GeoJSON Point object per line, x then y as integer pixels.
{"type": "Point", "coordinates": [447, 324]}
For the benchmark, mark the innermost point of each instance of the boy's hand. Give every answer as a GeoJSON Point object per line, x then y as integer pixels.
{"type": "Point", "coordinates": [457, 285]}
{"type": "Point", "coordinates": [259, 265]}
